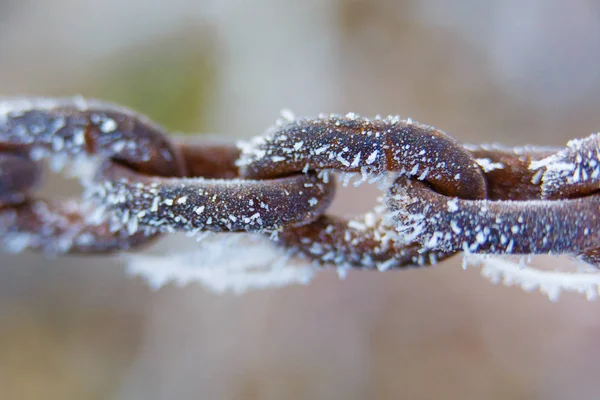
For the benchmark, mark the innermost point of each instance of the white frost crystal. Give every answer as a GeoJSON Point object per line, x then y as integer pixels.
{"type": "Point", "coordinates": [551, 283]}
{"type": "Point", "coordinates": [224, 263]}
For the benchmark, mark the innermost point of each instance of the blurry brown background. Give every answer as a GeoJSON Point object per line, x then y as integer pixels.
{"type": "Point", "coordinates": [515, 72]}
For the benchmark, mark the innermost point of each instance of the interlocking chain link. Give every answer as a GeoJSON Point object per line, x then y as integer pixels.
{"type": "Point", "coordinates": [440, 197]}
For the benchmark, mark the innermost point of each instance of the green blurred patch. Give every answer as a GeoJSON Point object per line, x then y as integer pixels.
{"type": "Point", "coordinates": [171, 82]}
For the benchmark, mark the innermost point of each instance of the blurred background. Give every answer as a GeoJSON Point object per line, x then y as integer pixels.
{"type": "Point", "coordinates": [512, 71]}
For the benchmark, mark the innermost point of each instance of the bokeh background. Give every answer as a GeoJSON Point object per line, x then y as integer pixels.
{"type": "Point", "coordinates": [513, 71]}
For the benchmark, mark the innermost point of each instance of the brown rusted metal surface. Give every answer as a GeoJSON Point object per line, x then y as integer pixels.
{"type": "Point", "coordinates": [440, 197]}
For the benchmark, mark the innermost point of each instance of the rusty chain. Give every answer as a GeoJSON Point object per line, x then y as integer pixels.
{"type": "Point", "coordinates": [440, 198]}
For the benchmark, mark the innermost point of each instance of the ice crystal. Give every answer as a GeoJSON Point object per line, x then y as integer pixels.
{"type": "Point", "coordinates": [223, 263]}
{"type": "Point", "coordinates": [568, 170]}
{"type": "Point", "coordinates": [551, 283]}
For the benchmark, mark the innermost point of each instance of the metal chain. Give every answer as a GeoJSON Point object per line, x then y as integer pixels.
{"type": "Point", "coordinates": [440, 197]}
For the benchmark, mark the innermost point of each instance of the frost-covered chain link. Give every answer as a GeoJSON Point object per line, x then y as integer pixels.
{"type": "Point", "coordinates": [72, 134]}
{"type": "Point", "coordinates": [215, 199]}
{"type": "Point", "coordinates": [440, 197]}
{"type": "Point", "coordinates": [447, 198]}
{"type": "Point", "coordinates": [364, 151]}
{"type": "Point", "coordinates": [540, 201]}
{"type": "Point", "coordinates": [125, 161]}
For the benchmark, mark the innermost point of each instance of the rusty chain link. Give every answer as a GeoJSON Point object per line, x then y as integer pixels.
{"type": "Point", "coordinates": [440, 197]}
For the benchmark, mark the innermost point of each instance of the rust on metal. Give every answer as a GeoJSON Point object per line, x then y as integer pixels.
{"type": "Point", "coordinates": [440, 197]}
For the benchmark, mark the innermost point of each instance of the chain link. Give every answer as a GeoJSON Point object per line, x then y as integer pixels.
{"type": "Point", "coordinates": [440, 197]}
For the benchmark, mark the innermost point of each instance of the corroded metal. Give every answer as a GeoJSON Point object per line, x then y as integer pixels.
{"type": "Point", "coordinates": [440, 197]}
